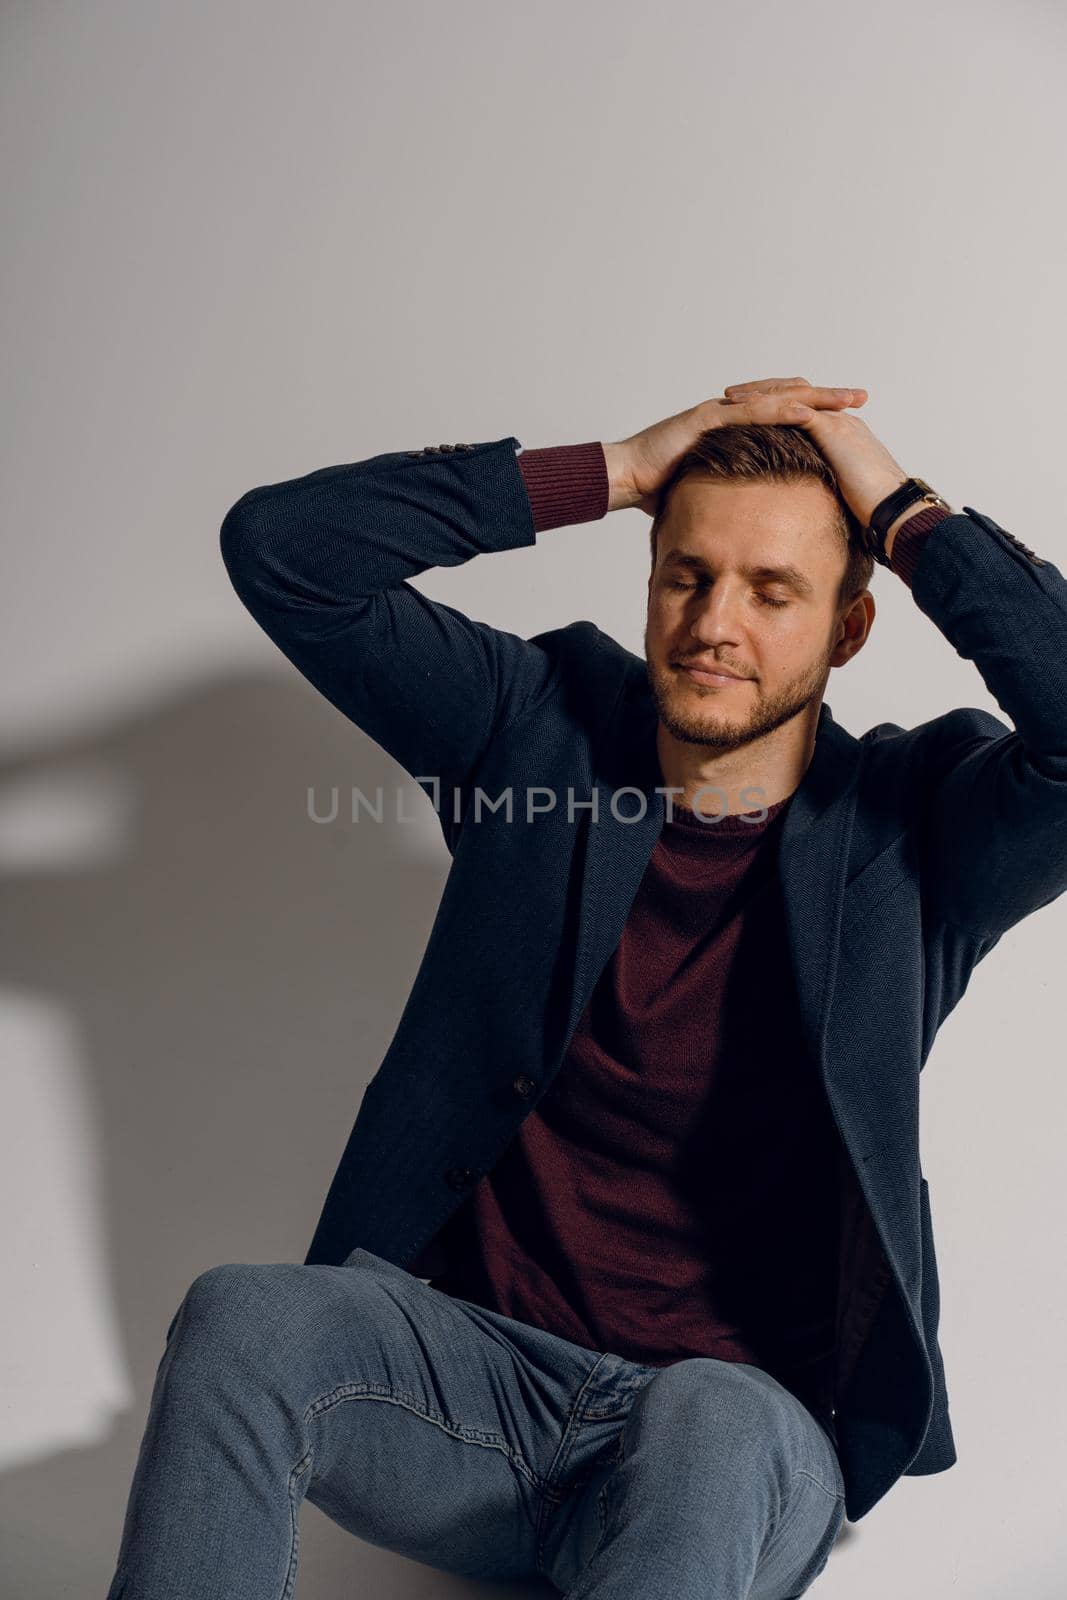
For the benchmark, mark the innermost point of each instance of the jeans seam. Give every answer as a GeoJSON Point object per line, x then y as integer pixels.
{"type": "Point", "coordinates": [604, 1497]}
{"type": "Point", "coordinates": [602, 1501]}
{"type": "Point", "coordinates": [802, 1472]}
{"type": "Point", "coordinates": [294, 1525]}
{"type": "Point", "coordinates": [487, 1439]}
{"type": "Point", "coordinates": [625, 1392]}
{"type": "Point", "coordinates": [775, 1520]}
{"type": "Point", "coordinates": [559, 1460]}
{"type": "Point", "coordinates": [817, 1563]}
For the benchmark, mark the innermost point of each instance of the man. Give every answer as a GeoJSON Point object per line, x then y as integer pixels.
{"type": "Point", "coordinates": [649, 1122]}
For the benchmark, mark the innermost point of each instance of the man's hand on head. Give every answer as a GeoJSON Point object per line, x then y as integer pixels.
{"type": "Point", "coordinates": [864, 469]}
{"type": "Point", "coordinates": [639, 466]}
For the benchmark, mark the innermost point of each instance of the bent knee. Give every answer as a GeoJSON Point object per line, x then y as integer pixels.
{"type": "Point", "coordinates": [236, 1295]}
{"type": "Point", "coordinates": [720, 1401]}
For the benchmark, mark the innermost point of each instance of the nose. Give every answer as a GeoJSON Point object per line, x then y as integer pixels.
{"type": "Point", "coordinates": [715, 617]}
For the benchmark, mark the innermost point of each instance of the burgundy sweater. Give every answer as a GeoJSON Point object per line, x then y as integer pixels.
{"type": "Point", "coordinates": [673, 1193]}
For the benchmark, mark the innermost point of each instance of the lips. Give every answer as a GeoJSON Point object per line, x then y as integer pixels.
{"type": "Point", "coordinates": [709, 668]}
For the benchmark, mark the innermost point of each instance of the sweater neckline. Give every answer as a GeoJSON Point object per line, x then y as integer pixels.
{"type": "Point", "coordinates": [744, 823]}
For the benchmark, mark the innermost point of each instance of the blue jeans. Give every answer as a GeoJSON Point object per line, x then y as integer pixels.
{"type": "Point", "coordinates": [463, 1439]}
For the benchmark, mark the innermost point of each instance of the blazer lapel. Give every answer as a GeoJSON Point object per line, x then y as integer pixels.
{"type": "Point", "coordinates": [812, 868]}
{"type": "Point", "coordinates": [619, 843]}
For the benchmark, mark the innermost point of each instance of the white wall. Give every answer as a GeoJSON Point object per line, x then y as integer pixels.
{"type": "Point", "coordinates": [244, 241]}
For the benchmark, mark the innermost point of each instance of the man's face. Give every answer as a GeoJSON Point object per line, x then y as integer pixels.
{"type": "Point", "coordinates": [746, 578]}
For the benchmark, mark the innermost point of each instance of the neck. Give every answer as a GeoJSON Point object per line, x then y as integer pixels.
{"type": "Point", "coordinates": [744, 778]}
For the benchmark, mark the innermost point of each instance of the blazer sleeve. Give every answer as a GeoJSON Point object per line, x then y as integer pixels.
{"type": "Point", "coordinates": [322, 562]}
{"type": "Point", "coordinates": [995, 797]}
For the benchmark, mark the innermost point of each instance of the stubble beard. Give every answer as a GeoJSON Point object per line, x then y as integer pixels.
{"type": "Point", "coordinates": [731, 730]}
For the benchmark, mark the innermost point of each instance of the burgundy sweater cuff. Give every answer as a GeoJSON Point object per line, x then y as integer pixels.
{"type": "Point", "coordinates": [911, 537]}
{"type": "Point", "coordinates": [566, 483]}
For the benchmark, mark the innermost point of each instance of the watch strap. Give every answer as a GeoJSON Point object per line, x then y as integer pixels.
{"type": "Point", "coordinates": [886, 512]}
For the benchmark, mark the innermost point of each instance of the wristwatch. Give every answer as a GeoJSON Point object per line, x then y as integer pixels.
{"type": "Point", "coordinates": [911, 492]}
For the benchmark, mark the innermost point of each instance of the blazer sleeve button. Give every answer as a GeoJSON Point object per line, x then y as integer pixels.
{"type": "Point", "coordinates": [523, 1086]}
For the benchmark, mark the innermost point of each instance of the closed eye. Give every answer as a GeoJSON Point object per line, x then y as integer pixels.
{"type": "Point", "coordinates": [764, 599]}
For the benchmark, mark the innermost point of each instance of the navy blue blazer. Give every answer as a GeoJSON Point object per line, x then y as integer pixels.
{"type": "Point", "coordinates": [905, 856]}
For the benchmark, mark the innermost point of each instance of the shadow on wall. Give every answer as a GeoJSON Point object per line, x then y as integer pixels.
{"type": "Point", "coordinates": [231, 974]}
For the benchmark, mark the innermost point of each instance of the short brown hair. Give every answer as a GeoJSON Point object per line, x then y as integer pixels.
{"type": "Point", "coordinates": [743, 452]}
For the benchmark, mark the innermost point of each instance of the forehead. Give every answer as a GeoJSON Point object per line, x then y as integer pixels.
{"type": "Point", "coordinates": [772, 522]}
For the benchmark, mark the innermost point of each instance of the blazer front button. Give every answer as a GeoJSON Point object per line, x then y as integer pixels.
{"type": "Point", "coordinates": [459, 1177]}
{"type": "Point", "coordinates": [524, 1086]}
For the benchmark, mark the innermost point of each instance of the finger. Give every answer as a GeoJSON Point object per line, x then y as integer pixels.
{"type": "Point", "coordinates": [785, 406]}
{"type": "Point", "coordinates": [797, 388]}
{"type": "Point", "coordinates": [772, 405]}
{"type": "Point", "coordinates": [766, 383]}
{"type": "Point", "coordinates": [830, 399]}
{"type": "Point", "coordinates": [810, 398]}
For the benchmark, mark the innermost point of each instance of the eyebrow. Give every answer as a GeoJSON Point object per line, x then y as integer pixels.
{"type": "Point", "coordinates": [789, 575]}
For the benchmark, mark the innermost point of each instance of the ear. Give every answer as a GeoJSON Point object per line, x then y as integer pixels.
{"type": "Point", "coordinates": [857, 622]}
